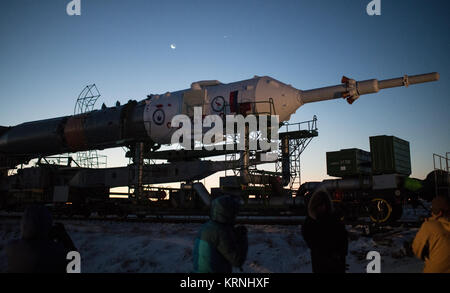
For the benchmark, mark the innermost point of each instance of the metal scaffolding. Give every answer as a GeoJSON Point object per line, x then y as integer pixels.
{"type": "Point", "coordinates": [84, 104]}
{"type": "Point", "coordinates": [294, 138]}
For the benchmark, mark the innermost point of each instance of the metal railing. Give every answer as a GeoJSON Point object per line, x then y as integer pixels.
{"type": "Point", "coordinates": [439, 158]}
{"type": "Point", "coordinates": [310, 125]}
{"type": "Point", "coordinates": [443, 167]}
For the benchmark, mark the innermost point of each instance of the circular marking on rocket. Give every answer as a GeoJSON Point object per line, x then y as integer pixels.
{"type": "Point", "coordinates": [159, 116]}
{"type": "Point", "coordinates": [218, 103]}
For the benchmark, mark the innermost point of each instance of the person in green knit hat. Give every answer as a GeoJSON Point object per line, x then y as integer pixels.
{"type": "Point", "coordinates": [220, 245]}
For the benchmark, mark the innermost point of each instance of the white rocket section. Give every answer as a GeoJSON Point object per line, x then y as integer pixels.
{"type": "Point", "coordinates": [259, 92]}
{"type": "Point", "coordinates": [158, 113]}
{"type": "Point", "coordinates": [286, 99]}
{"type": "Point", "coordinates": [259, 96]}
{"type": "Point", "coordinates": [245, 93]}
{"type": "Point", "coordinates": [264, 95]}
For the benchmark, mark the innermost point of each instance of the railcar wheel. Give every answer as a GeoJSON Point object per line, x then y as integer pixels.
{"type": "Point", "coordinates": [380, 210]}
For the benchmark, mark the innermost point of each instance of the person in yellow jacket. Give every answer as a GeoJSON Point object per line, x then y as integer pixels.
{"type": "Point", "coordinates": [432, 242]}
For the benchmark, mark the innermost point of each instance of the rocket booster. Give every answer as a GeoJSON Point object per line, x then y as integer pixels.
{"type": "Point", "coordinates": [149, 120]}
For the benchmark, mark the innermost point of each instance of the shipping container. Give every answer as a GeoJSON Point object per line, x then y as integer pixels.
{"type": "Point", "coordinates": [348, 162]}
{"type": "Point", "coordinates": [390, 155]}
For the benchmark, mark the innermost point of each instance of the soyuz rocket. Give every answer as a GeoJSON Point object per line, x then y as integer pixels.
{"type": "Point", "coordinates": [149, 121]}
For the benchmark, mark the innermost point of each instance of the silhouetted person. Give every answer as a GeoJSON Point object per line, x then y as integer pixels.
{"type": "Point", "coordinates": [42, 248]}
{"type": "Point", "coordinates": [325, 235]}
{"type": "Point", "coordinates": [432, 242]}
{"type": "Point", "coordinates": [219, 245]}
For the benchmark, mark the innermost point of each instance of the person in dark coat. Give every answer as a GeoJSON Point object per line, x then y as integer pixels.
{"type": "Point", "coordinates": [220, 245]}
{"type": "Point", "coordinates": [325, 235]}
{"type": "Point", "coordinates": [42, 248]}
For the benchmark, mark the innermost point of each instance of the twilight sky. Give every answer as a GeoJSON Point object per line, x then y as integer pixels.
{"type": "Point", "coordinates": [47, 57]}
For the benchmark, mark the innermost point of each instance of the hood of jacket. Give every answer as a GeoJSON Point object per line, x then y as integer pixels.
{"type": "Point", "coordinates": [320, 204]}
{"type": "Point", "coordinates": [445, 222]}
{"type": "Point", "coordinates": [224, 209]}
{"type": "Point", "coordinates": [36, 223]}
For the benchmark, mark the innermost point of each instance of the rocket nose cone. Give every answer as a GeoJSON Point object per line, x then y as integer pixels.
{"type": "Point", "coordinates": [287, 102]}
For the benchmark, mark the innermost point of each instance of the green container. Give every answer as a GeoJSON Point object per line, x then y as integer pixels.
{"type": "Point", "coordinates": [390, 155]}
{"type": "Point", "coordinates": [348, 162]}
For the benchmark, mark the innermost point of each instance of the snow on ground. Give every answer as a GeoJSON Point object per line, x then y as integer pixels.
{"type": "Point", "coordinates": [167, 248]}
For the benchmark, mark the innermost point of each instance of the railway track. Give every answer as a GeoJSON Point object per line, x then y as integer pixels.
{"type": "Point", "coordinates": [244, 219]}
{"type": "Point", "coordinates": [261, 220]}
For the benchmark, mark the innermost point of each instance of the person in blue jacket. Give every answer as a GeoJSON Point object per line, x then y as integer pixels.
{"type": "Point", "coordinates": [220, 245]}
